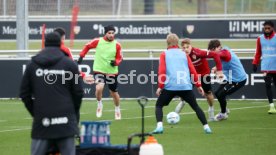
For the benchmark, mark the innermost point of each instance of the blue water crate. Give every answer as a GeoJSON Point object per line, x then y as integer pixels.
{"type": "Point", "coordinates": [94, 133]}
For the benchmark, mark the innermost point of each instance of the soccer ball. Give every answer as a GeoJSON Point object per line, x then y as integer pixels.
{"type": "Point", "coordinates": [173, 118]}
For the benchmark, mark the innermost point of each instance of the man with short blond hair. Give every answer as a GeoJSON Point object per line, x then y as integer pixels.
{"type": "Point", "coordinates": [174, 62]}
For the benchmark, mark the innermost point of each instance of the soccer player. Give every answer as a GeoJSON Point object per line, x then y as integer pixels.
{"type": "Point", "coordinates": [86, 78]}
{"type": "Point", "coordinates": [107, 59]}
{"type": "Point", "coordinates": [266, 48]}
{"type": "Point", "coordinates": [234, 72]}
{"type": "Point", "coordinates": [201, 65]}
{"type": "Point", "coordinates": [174, 79]}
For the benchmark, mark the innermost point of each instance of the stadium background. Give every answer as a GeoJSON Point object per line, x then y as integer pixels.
{"type": "Point", "coordinates": [236, 22]}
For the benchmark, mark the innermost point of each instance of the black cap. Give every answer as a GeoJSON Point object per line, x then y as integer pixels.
{"type": "Point", "coordinates": [52, 39]}
{"type": "Point", "coordinates": [109, 28]}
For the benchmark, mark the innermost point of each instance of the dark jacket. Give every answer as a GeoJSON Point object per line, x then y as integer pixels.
{"type": "Point", "coordinates": [51, 96]}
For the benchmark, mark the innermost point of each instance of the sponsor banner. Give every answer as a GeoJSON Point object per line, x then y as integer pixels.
{"type": "Point", "coordinates": [137, 78]}
{"type": "Point", "coordinates": [131, 29]}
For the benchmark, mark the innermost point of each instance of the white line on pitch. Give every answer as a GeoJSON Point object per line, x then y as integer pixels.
{"type": "Point", "coordinates": [20, 129]}
{"type": "Point", "coordinates": [149, 116]}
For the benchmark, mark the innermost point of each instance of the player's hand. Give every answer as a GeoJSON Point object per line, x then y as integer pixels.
{"type": "Point", "coordinates": [200, 91]}
{"type": "Point", "coordinates": [80, 60]}
{"type": "Point", "coordinates": [219, 75]}
{"type": "Point", "coordinates": [89, 79]}
{"type": "Point", "coordinates": [158, 91]}
{"type": "Point", "coordinates": [255, 67]}
{"type": "Point", "coordinates": [112, 63]}
{"type": "Point", "coordinates": [214, 70]}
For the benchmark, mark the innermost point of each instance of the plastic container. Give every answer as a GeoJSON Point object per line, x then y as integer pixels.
{"type": "Point", "coordinates": [94, 134]}
{"type": "Point", "coordinates": [151, 147]}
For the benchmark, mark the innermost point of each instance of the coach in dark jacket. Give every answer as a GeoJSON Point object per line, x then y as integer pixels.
{"type": "Point", "coordinates": [52, 93]}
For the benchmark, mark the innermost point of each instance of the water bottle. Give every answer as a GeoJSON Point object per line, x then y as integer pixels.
{"type": "Point", "coordinates": [101, 134]}
{"type": "Point", "coordinates": [151, 147]}
{"type": "Point", "coordinates": [94, 134]}
{"type": "Point", "coordinates": [82, 133]}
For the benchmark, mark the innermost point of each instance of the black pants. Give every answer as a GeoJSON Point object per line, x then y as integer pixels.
{"type": "Point", "coordinates": [227, 89]}
{"type": "Point", "coordinates": [269, 78]}
{"type": "Point", "coordinates": [187, 95]}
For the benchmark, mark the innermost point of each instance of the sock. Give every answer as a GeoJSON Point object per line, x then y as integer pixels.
{"type": "Point", "coordinates": [117, 108]}
{"type": "Point", "coordinates": [100, 103]}
{"type": "Point", "coordinates": [159, 124]}
{"type": "Point", "coordinates": [271, 105]}
{"type": "Point", "coordinates": [211, 112]}
{"type": "Point", "coordinates": [211, 108]}
{"type": "Point", "coordinates": [206, 126]}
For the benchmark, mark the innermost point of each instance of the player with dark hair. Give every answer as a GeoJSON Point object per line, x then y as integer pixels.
{"type": "Point", "coordinates": [86, 78]}
{"type": "Point", "coordinates": [63, 48]}
{"type": "Point", "coordinates": [174, 79]}
{"type": "Point", "coordinates": [266, 48]}
{"type": "Point", "coordinates": [200, 62]}
{"type": "Point", "coordinates": [235, 75]}
{"type": "Point", "coordinates": [108, 57]}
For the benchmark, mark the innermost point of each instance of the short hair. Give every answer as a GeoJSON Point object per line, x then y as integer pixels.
{"type": "Point", "coordinates": [213, 44]}
{"type": "Point", "coordinates": [172, 39]}
{"type": "Point", "coordinates": [60, 31]}
{"type": "Point", "coordinates": [109, 28]}
{"type": "Point", "coordinates": [52, 39]}
{"type": "Point", "coordinates": [268, 22]}
{"type": "Point", "coordinates": [186, 41]}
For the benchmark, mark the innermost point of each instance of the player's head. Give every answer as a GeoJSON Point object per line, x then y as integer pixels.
{"type": "Point", "coordinates": [52, 39]}
{"type": "Point", "coordinates": [61, 32]}
{"type": "Point", "coordinates": [268, 27]}
{"type": "Point", "coordinates": [186, 45]}
{"type": "Point", "coordinates": [109, 32]}
{"type": "Point", "coordinates": [214, 45]}
{"type": "Point", "coordinates": [172, 40]}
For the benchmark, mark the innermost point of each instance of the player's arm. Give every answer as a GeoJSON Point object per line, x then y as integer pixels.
{"type": "Point", "coordinates": [67, 51]}
{"type": "Point", "coordinates": [92, 44]}
{"type": "Point", "coordinates": [161, 73]}
{"type": "Point", "coordinates": [258, 54]}
{"type": "Point", "coordinates": [26, 91]}
{"type": "Point", "coordinates": [195, 76]}
{"type": "Point", "coordinates": [209, 54]}
{"type": "Point", "coordinates": [225, 55]}
{"type": "Point", "coordinates": [119, 56]}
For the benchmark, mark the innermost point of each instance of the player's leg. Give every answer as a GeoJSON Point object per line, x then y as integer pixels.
{"type": "Point", "coordinates": [179, 106]}
{"type": "Point", "coordinates": [113, 89]}
{"type": "Point", "coordinates": [39, 146]}
{"type": "Point", "coordinates": [188, 96]}
{"type": "Point", "coordinates": [100, 82]}
{"type": "Point", "coordinates": [221, 96]}
{"type": "Point", "coordinates": [163, 100]}
{"type": "Point", "coordinates": [268, 81]}
{"type": "Point", "coordinates": [227, 89]}
{"type": "Point", "coordinates": [67, 146]}
{"type": "Point", "coordinates": [206, 85]}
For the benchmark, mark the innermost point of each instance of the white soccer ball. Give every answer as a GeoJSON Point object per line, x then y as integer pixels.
{"type": "Point", "coordinates": [173, 118]}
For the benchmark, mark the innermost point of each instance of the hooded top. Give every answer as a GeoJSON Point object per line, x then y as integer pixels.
{"type": "Point", "coordinates": [50, 96]}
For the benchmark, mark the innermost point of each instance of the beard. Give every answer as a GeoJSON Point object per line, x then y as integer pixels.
{"type": "Point", "coordinates": [267, 34]}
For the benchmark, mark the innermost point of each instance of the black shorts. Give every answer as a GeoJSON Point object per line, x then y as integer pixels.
{"type": "Point", "coordinates": [111, 81]}
{"type": "Point", "coordinates": [206, 83]}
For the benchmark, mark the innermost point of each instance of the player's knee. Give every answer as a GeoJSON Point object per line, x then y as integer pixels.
{"type": "Point", "coordinates": [208, 93]}
{"type": "Point", "coordinates": [113, 89]}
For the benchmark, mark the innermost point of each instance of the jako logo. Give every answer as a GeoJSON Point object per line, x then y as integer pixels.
{"type": "Point", "coordinates": [58, 120]}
